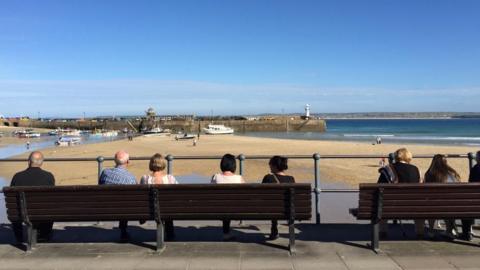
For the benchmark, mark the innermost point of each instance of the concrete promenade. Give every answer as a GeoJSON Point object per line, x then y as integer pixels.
{"type": "Point", "coordinates": [199, 245]}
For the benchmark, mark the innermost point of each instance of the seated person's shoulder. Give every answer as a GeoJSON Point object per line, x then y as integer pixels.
{"type": "Point", "coordinates": [268, 179]}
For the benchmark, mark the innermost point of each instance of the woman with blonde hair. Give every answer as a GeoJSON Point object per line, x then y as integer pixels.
{"type": "Point", "coordinates": [441, 172]}
{"type": "Point", "coordinates": [158, 175]}
{"type": "Point", "coordinates": [402, 172]}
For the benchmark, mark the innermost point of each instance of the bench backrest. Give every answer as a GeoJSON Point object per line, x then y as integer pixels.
{"type": "Point", "coordinates": [423, 201]}
{"type": "Point", "coordinates": [137, 202]}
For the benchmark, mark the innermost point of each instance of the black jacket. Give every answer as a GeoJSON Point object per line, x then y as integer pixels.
{"type": "Point", "coordinates": [284, 179]}
{"type": "Point", "coordinates": [33, 176]}
{"type": "Point", "coordinates": [474, 174]}
{"type": "Point", "coordinates": [406, 173]}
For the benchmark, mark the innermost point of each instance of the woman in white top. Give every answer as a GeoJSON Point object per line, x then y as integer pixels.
{"type": "Point", "coordinates": [158, 175]}
{"type": "Point", "coordinates": [228, 165]}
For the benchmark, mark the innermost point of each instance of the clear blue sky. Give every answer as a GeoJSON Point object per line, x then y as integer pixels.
{"type": "Point", "coordinates": [238, 57]}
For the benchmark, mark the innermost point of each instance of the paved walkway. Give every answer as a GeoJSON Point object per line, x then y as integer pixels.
{"type": "Point", "coordinates": [330, 246]}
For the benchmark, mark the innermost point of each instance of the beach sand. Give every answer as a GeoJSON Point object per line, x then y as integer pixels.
{"type": "Point", "coordinates": [349, 172]}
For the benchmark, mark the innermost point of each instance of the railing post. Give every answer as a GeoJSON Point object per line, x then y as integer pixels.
{"type": "Point", "coordinates": [317, 190]}
{"type": "Point", "coordinates": [169, 159]}
{"type": "Point", "coordinates": [471, 158]}
{"type": "Point", "coordinates": [241, 160]}
{"type": "Point", "coordinates": [391, 158]}
{"type": "Point", "coordinates": [100, 160]}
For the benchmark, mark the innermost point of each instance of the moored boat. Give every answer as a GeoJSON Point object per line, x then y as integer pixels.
{"type": "Point", "coordinates": [218, 130]}
{"type": "Point", "coordinates": [68, 140]}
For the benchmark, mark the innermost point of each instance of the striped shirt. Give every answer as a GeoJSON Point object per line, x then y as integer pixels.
{"type": "Point", "coordinates": [117, 176]}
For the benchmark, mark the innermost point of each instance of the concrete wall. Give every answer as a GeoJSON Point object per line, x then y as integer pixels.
{"type": "Point", "coordinates": [276, 125]}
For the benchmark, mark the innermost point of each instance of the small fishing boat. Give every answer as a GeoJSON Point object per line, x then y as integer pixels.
{"type": "Point", "coordinates": [218, 130]}
{"type": "Point", "coordinates": [26, 133]}
{"type": "Point", "coordinates": [156, 132]}
{"type": "Point", "coordinates": [68, 140]}
{"type": "Point", "coordinates": [185, 136]}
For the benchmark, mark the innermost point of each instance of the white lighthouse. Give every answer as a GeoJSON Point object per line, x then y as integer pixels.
{"type": "Point", "coordinates": [307, 111]}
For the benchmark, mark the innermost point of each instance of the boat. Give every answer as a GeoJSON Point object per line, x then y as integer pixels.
{"type": "Point", "coordinates": [104, 133]}
{"type": "Point", "coordinates": [53, 133]}
{"type": "Point", "coordinates": [185, 136]}
{"type": "Point", "coordinates": [156, 132]}
{"type": "Point", "coordinates": [218, 130]}
{"type": "Point", "coordinates": [26, 133]}
{"type": "Point", "coordinates": [68, 140]}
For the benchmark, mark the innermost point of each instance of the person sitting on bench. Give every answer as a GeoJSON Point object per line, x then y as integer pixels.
{"type": "Point", "coordinates": [119, 176]}
{"type": "Point", "coordinates": [159, 176]}
{"type": "Point", "coordinates": [278, 166]}
{"type": "Point", "coordinates": [228, 166]}
{"type": "Point", "coordinates": [474, 177]}
{"type": "Point", "coordinates": [33, 176]}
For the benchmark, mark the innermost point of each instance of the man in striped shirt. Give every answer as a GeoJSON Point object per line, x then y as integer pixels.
{"type": "Point", "coordinates": [119, 176]}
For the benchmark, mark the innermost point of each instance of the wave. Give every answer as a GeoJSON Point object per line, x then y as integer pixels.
{"type": "Point", "coordinates": [437, 138]}
{"type": "Point", "coordinates": [368, 135]}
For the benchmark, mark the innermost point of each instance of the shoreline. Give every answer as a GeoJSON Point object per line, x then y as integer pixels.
{"type": "Point", "coordinates": [346, 172]}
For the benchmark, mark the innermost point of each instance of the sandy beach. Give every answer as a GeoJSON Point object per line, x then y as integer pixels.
{"type": "Point", "coordinates": [349, 172]}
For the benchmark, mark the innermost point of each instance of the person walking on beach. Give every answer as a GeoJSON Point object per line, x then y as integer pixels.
{"type": "Point", "coordinates": [119, 176]}
{"type": "Point", "coordinates": [28, 145]}
{"type": "Point", "coordinates": [474, 177]}
{"type": "Point", "coordinates": [441, 172]}
{"type": "Point", "coordinates": [228, 166]}
{"type": "Point", "coordinates": [34, 176]}
{"type": "Point", "coordinates": [159, 176]}
{"type": "Point", "coordinates": [278, 166]}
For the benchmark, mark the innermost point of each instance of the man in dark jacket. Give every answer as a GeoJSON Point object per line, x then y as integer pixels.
{"type": "Point", "coordinates": [33, 176]}
{"type": "Point", "coordinates": [474, 177]}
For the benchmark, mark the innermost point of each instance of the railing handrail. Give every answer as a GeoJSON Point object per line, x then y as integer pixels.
{"type": "Point", "coordinates": [215, 157]}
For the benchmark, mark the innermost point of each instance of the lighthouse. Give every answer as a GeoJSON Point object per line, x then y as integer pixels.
{"type": "Point", "coordinates": [307, 111]}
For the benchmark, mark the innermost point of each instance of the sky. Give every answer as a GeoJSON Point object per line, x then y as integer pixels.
{"type": "Point", "coordinates": [67, 57]}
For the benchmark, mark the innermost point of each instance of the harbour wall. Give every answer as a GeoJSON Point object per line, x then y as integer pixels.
{"type": "Point", "coordinates": [191, 126]}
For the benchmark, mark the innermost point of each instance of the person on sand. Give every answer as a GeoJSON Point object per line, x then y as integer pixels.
{"type": "Point", "coordinates": [119, 176]}
{"type": "Point", "coordinates": [228, 166]}
{"type": "Point", "coordinates": [402, 172]}
{"type": "Point", "coordinates": [278, 166]}
{"type": "Point", "coordinates": [159, 176]}
{"type": "Point", "coordinates": [441, 172]}
{"type": "Point", "coordinates": [33, 176]}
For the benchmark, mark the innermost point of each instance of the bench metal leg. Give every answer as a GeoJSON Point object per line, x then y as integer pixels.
{"type": "Point", "coordinates": [160, 237]}
{"type": "Point", "coordinates": [375, 236]}
{"type": "Point", "coordinates": [291, 244]}
{"type": "Point", "coordinates": [31, 237]}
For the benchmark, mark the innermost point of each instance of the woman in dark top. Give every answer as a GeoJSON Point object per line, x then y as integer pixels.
{"type": "Point", "coordinates": [403, 172]}
{"type": "Point", "coordinates": [278, 166]}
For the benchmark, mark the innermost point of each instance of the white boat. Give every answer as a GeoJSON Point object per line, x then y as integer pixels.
{"type": "Point", "coordinates": [105, 133]}
{"type": "Point", "coordinates": [218, 129]}
{"type": "Point", "coordinates": [156, 132]}
{"type": "Point", "coordinates": [185, 136]}
{"type": "Point", "coordinates": [27, 133]}
{"type": "Point", "coordinates": [68, 140]}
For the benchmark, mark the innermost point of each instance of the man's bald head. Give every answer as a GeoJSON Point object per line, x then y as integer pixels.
{"type": "Point", "coordinates": [121, 158]}
{"type": "Point", "coordinates": [35, 159]}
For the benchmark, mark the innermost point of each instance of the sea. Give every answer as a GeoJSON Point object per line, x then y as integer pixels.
{"type": "Point", "coordinates": [412, 131]}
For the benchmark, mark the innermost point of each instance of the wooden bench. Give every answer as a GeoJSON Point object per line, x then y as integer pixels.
{"type": "Point", "coordinates": [158, 202]}
{"type": "Point", "coordinates": [379, 202]}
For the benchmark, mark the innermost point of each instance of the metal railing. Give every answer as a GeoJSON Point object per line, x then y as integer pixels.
{"type": "Point", "coordinates": [242, 158]}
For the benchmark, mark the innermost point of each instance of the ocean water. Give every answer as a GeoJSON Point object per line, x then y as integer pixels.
{"type": "Point", "coordinates": [417, 131]}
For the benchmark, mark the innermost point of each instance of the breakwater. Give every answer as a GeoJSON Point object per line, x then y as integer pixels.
{"type": "Point", "coordinates": [272, 125]}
